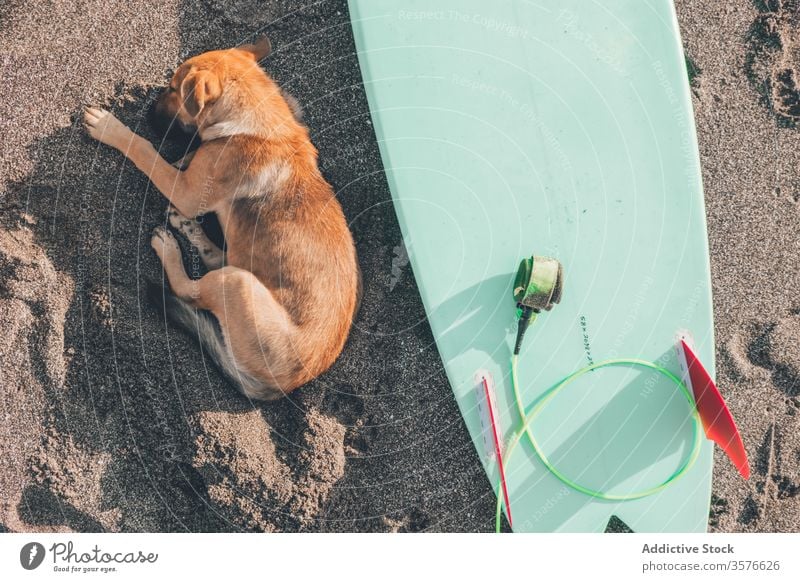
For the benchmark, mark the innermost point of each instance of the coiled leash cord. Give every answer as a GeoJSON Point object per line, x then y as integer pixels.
{"type": "Point", "coordinates": [538, 287]}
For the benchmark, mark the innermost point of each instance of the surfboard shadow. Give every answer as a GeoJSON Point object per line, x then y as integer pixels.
{"type": "Point", "coordinates": [484, 314]}
{"type": "Point", "coordinates": [631, 444]}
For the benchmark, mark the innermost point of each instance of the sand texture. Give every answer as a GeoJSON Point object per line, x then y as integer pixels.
{"type": "Point", "coordinates": [113, 422]}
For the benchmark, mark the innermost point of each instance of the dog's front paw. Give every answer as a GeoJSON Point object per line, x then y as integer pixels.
{"type": "Point", "coordinates": [106, 128]}
{"type": "Point", "coordinates": [164, 244]}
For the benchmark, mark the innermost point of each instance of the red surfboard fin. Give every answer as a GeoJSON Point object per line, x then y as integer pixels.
{"type": "Point", "coordinates": [714, 413]}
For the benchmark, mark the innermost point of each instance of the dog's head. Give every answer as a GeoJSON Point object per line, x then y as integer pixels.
{"type": "Point", "coordinates": [200, 82]}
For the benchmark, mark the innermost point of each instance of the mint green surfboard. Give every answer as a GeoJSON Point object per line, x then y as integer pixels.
{"type": "Point", "coordinates": [562, 129]}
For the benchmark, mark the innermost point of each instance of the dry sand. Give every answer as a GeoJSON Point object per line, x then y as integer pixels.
{"type": "Point", "coordinates": [112, 423]}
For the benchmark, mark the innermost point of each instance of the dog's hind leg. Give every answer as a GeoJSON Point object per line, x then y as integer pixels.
{"type": "Point", "coordinates": [262, 337]}
{"type": "Point", "coordinates": [212, 256]}
{"type": "Point", "coordinates": [255, 347]}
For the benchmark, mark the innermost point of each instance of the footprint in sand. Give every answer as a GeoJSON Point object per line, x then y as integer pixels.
{"type": "Point", "coordinates": [342, 403]}
{"type": "Point", "coordinates": [412, 521]}
{"type": "Point", "coordinates": [774, 348]}
{"type": "Point", "coordinates": [774, 476]}
{"type": "Point", "coordinates": [719, 508]}
{"type": "Point", "coordinates": [348, 408]}
{"type": "Point", "coordinates": [771, 62]}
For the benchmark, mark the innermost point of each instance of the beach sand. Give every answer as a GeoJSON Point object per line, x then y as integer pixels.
{"type": "Point", "coordinates": [113, 423]}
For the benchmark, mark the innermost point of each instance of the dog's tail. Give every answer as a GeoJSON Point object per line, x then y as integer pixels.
{"type": "Point", "coordinates": [203, 326]}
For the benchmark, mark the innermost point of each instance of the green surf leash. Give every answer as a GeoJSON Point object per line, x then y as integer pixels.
{"type": "Point", "coordinates": [537, 287]}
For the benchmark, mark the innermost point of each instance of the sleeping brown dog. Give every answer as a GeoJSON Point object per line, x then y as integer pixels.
{"type": "Point", "coordinates": [286, 289]}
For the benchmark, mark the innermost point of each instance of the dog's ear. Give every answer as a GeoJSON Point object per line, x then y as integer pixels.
{"type": "Point", "coordinates": [199, 89]}
{"type": "Point", "coordinates": [259, 49]}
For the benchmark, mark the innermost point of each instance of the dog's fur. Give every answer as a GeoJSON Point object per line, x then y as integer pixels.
{"type": "Point", "coordinates": [286, 289]}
